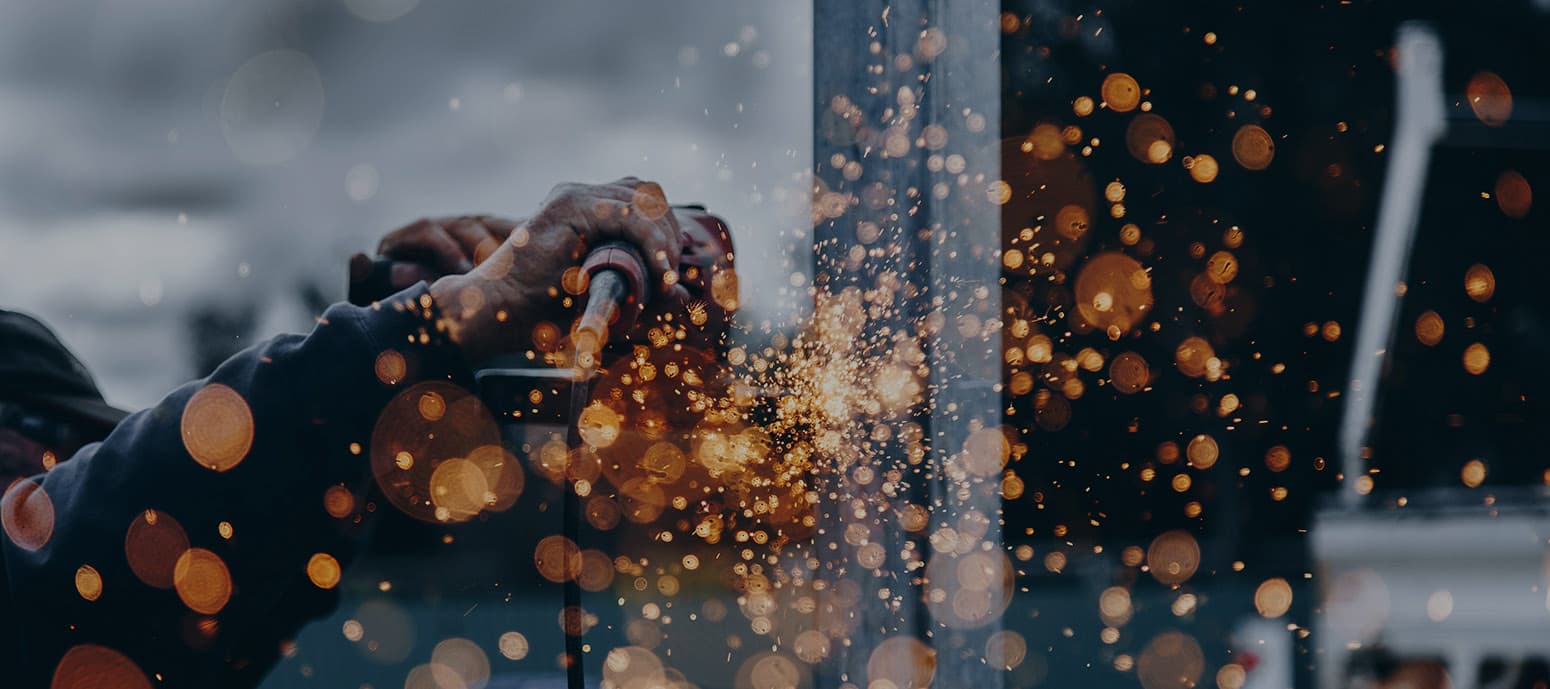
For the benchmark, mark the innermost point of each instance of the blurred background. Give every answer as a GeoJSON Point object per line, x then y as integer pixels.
{"type": "Point", "coordinates": [1258, 151]}
{"type": "Point", "coordinates": [179, 178]}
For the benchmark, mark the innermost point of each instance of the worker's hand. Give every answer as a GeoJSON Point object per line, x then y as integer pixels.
{"type": "Point", "coordinates": [494, 308]}
{"type": "Point", "coordinates": [429, 248]}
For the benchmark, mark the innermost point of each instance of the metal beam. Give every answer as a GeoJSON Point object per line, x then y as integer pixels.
{"type": "Point", "coordinates": [906, 149]}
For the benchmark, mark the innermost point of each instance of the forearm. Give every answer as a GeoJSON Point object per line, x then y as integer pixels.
{"type": "Point", "coordinates": [242, 462]}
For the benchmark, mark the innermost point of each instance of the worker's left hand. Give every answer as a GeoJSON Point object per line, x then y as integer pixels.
{"type": "Point", "coordinates": [429, 248]}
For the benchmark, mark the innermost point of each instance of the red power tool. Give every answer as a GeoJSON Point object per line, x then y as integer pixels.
{"type": "Point", "coordinates": [618, 293]}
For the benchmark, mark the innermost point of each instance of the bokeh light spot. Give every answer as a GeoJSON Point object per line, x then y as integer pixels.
{"type": "Point", "coordinates": [1120, 92]}
{"type": "Point", "coordinates": [1476, 359]}
{"type": "Point", "coordinates": [391, 367]}
{"type": "Point", "coordinates": [902, 662]}
{"type": "Point", "coordinates": [1429, 328]}
{"type": "Point", "coordinates": [1480, 283]}
{"type": "Point", "coordinates": [1490, 98]}
{"type": "Point", "coordinates": [338, 501]}
{"type": "Point", "coordinates": [27, 514]}
{"type": "Point", "coordinates": [1273, 598]}
{"type": "Point", "coordinates": [154, 543]}
{"type": "Point", "coordinates": [1202, 451]}
{"type": "Point", "coordinates": [513, 645]}
{"type": "Point", "coordinates": [1252, 147]}
{"type": "Point", "coordinates": [1202, 168]}
{"type": "Point", "coordinates": [1150, 139]}
{"type": "Point", "coordinates": [202, 581]}
{"type": "Point", "coordinates": [323, 570]}
{"type": "Point", "coordinates": [1514, 196]}
{"type": "Point", "coordinates": [1473, 473]}
{"type": "Point", "coordinates": [1172, 660]}
{"type": "Point", "coordinates": [88, 582]}
{"type": "Point", "coordinates": [217, 427]}
{"type": "Point", "coordinates": [1113, 292]}
{"type": "Point", "coordinates": [272, 107]}
{"type": "Point", "coordinates": [465, 660]}
{"type": "Point", "coordinates": [558, 559]}
{"type": "Point", "coordinates": [1173, 557]}
{"type": "Point", "coordinates": [89, 666]}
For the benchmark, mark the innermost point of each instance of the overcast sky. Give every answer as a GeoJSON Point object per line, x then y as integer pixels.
{"type": "Point", "coordinates": [162, 155]}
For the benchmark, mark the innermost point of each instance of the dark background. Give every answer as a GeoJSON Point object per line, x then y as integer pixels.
{"type": "Point", "coordinates": [1323, 71]}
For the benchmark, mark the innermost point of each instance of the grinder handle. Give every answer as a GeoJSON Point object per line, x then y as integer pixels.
{"type": "Point", "coordinates": [616, 294]}
{"type": "Point", "coordinates": [371, 279]}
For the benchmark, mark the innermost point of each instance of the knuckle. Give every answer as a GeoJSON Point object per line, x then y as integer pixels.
{"type": "Point", "coordinates": [560, 212]}
{"type": "Point", "coordinates": [547, 214]}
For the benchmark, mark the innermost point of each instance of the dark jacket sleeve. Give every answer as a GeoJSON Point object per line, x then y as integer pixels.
{"type": "Point", "coordinates": [92, 546]}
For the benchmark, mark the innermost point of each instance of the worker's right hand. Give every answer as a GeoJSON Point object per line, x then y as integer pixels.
{"type": "Point", "coordinates": [494, 307]}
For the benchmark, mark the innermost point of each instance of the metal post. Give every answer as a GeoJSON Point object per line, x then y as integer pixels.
{"type": "Point", "coordinates": [902, 88]}
{"type": "Point", "coordinates": [1419, 124]}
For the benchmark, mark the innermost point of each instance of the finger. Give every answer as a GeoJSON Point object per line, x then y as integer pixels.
{"type": "Point", "coordinates": [476, 240]}
{"type": "Point", "coordinates": [608, 210]}
{"type": "Point", "coordinates": [675, 234]}
{"type": "Point", "coordinates": [498, 226]}
{"type": "Point", "coordinates": [648, 199]}
{"type": "Point", "coordinates": [619, 220]}
{"type": "Point", "coordinates": [396, 236]}
{"type": "Point", "coordinates": [403, 274]}
{"type": "Point", "coordinates": [426, 239]}
{"type": "Point", "coordinates": [615, 190]}
{"type": "Point", "coordinates": [645, 195]}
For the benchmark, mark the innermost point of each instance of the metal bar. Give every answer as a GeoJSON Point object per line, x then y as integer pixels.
{"type": "Point", "coordinates": [964, 98]}
{"type": "Point", "coordinates": [1419, 124]}
{"type": "Point", "coordinates": [885, 72]}
{"type": "Point", "coordinates": [570, 520]}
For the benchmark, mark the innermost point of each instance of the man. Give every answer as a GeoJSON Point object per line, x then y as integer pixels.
{"type": "Point", "coordinates": [187, 545]}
